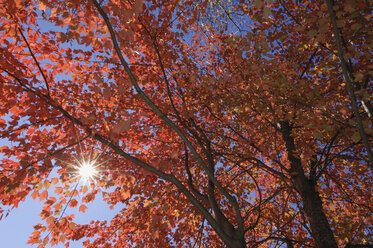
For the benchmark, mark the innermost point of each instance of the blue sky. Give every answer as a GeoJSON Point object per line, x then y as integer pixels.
{"type": "Point", "coordinates": [17, 227]}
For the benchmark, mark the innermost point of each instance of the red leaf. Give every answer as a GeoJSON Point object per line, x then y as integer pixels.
{"type": "Point", "coordinates": [122, 127]}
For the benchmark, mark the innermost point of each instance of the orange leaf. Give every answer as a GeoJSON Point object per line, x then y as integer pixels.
{"type": "Point", "coordinates": [58, 206]}
{"type": "Point", "coordinates": [73, 203]}
{"type": "Point", "coordinates": [82, 208]}
{"type": "Point", "coordinates": [58, 190]}
{"type": "Point", "coordinates": [35, 194]}
{"type": "Point", "coordinates": [72, 226]}
{"type": "Point", "coordinates": [84, 189]}
{"type": "Point", "coordinates": [55, 180]}
{"type": "Point", "coordinates": [126, 194]}
{"type": "Point", "coordinates": [14, 110]}
{"type": "Point", "coordinates": [43, 195]}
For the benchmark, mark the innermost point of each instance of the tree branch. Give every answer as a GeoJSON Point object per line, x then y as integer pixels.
{"type": "Point", "coordinates": [157, 111]}
{"type": "Point", "coordinates": [36, 61]}
{"type": "Point", "coordinates": [348, 80]}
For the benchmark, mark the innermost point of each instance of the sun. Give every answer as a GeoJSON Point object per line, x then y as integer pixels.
{"type": "Point", "coordinates": [87, 170]}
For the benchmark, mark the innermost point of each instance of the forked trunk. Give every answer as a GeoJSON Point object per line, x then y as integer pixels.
{"type": "Point", "coordinates": [312, 204]}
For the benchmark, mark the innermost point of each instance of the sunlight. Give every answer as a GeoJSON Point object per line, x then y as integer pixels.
{"type": "Point", "coordinates": [87, 170]}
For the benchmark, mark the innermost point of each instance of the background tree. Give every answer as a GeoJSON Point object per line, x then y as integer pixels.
{"type": "Point", "coordinates": [257, 137]}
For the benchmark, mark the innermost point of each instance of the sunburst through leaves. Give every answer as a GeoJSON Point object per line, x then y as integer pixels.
{"type": "Point", "coordinates": [86, 170]}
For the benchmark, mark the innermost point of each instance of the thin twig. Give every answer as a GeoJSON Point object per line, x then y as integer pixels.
{"type": "Point", "coordinates": [36, 61]}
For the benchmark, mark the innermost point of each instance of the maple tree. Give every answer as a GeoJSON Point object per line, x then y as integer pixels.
{"type": "Point", "coordinates": [259, 137]}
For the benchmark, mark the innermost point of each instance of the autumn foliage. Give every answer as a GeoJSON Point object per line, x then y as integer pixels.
{"type": "Point", "coordinates": [212, 123]}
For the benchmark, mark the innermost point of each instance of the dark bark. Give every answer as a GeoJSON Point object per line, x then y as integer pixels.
{"type": "Point", "coordinates": [359, 246]}
{"type": "Point", "coordinates": [312, 204]}
{"type": "Point", "coordinates": [349, 81]}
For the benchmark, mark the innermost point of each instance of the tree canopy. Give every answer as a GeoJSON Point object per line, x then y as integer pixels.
{"type": "Point", "coordinates": [210, 123]}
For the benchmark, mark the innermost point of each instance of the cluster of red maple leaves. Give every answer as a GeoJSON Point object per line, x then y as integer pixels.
{"type": "Point", "coordinates": [213, 123]}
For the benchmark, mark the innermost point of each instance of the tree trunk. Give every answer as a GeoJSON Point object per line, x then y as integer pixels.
{"type": "Point", "coordinates": [238, 241]}
{"type": "Point", "coordinates": [312, 204]}
{"type": "Point", "coordinates": [236, 237]}
{"type": "Point", "coordinates": [359, 246]}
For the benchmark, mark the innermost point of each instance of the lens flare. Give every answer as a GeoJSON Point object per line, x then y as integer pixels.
{"type": "Point", "coordinates": [87, 170]}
